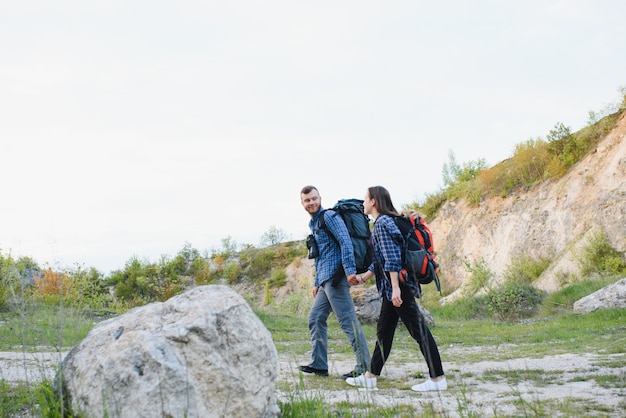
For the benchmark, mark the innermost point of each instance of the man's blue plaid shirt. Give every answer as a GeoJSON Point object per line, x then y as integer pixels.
{"type": "Point", "coordinates": [331, 255]}
{"type": "Point", "coordinates": [388, 241]}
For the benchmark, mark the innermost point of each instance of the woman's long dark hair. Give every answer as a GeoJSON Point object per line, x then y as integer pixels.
{"type": "Point", "coordinates": [384, 205]}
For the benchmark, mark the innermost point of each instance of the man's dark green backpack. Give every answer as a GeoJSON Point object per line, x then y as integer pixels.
{"type": "Point", "coordinates": [358, 224]}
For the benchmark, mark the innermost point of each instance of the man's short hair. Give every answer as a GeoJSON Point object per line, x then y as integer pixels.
{"type": "Point", "coordinates": [308, 189]}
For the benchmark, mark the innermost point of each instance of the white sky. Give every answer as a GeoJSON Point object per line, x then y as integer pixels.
{"type": "Point", "coordinates": [129, 128]}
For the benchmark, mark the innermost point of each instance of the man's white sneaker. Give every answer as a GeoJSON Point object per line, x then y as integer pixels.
{"type": "Point", "coordinates": [429, 385]}
{"type": "Point", "coordinates": [362, 381]}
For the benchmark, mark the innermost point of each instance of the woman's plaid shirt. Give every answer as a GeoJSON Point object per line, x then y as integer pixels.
{"type": "Point", "coordinates": [387, 241]}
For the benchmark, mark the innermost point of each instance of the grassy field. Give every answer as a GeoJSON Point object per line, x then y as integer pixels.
{"type": "Point", "coordinates": [41, 328]}
{"type": "Point", "coordinates": [598, 338]}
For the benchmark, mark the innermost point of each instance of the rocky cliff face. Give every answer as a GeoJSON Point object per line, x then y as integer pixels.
{"type": "Point", "coordinates": [553, 219]}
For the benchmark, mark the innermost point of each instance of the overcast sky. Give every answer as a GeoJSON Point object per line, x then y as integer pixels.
{"type": "Point", "coordinates": [130, 128]}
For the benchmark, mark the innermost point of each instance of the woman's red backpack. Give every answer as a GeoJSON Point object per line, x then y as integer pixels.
{"type": "Point", "coordinates": [418, 253]}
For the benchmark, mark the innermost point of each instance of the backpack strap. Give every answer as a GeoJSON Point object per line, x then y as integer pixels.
{"type": "Point", "coordinates": [339, 272]}
{"type": "Point", "coordinates": [322, 223]}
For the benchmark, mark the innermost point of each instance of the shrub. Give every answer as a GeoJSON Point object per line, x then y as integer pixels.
{"type": "Point", "coordinates": [525, 269]}
{"type": "Point", "coordinates": [7, 285]}
{"type": "Point", "coordinates": [533, 161]}
{"type": "Point", "coordinates": [88, 289]}
{"type": "Point", "coordinates": [267, 296]}
{"type": "Point", "coordinates": [200, 269]}
{"type": "Point", "coordinates": [273, 236]}
{"type": "Point", "coordinates": [529, 161]}
{"type": "Point", "coordinates": [297, 262]}
{"type": "Point", "coordinates": [480, 277]}
{"type": "Point", "coordinates": [598, 256]}
{"type": "Point", "coordinates": [474, 307]}
{"type": "Point", "coordinates": [279, 278]}
{"type": "Point", "coordinates": [51, 286]}
{"type": "Point", "coordinates": [232, 271]}
{"type": "Point", "coordinates": [497, 180]}
{"type": "Point", "coordinates": [296, 303]}
{"type": "Point", "coordinates": [513, 301]}
{"type": "Point", "coordinates": [16, 279]}
{"type": "Point", "coordinates": [431, 205]}
{"type": "Point", "coordinates": [261, 263]}
{"type": "Point", "coordinates": [77, 287]}
{"type": "Point", "coordinates": [461, 181]}
{"type": "Point", "coordinates": [229, 247]}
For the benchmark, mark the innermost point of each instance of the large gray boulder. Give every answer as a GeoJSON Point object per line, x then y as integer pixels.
{"type": "Point", "coordinates": [611, 296]}
{"type": "Point", "coordinates": [203, 353]}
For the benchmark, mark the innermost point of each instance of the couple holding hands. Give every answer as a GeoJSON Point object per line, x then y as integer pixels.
{"type": "Point", "coordinates": [398, 301]}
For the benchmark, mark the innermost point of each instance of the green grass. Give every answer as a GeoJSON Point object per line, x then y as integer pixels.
{"type": "Point", "coordinates": [313, 406]}
{"type": "Point", "coordinates": [538, 377]}
{"type": "Point", "coordinates": [602, 331]}
{"type": "Point", "coordinates": [563, 300]}
{"type": "Point", "coordinates": [15, 399]}
{"type": "Point", "coordinates": [41, 327]}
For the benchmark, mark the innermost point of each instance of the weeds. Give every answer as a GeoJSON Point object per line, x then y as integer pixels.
{"type": "Point", "coordinates": [533, 161]}
{"type": "Point", "coordinates": [526, 269]}
{"type": "Point", "coordinates": [563, 300]}
{"type": "Point", "coordinates": [480, 277]}
{"type": "Point", "coordinates": [53, 310]}
{"type": "Point", "coordinates": [566, 333]}
{"type": "Point", "coordinates": [598, 256]}
{"type": "Point", "coordinates": [464, 407]}
{"type": "Point", "coordinates": [513, 301]}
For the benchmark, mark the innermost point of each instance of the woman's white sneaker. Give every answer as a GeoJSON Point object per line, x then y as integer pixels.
{"type": "Point", "coordinates": [429, 386]}
{"type": "Point", "coordinates": [362, 381]}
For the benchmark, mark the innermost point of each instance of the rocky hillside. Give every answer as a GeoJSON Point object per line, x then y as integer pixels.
{"type": "Point", "coordinates": [553, 219]}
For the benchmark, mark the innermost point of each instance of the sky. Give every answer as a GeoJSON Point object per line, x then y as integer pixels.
{"type": "Point", "coordinates": [134, 128]}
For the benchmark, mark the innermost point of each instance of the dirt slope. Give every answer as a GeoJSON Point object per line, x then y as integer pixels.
{"type": "Point", "coordinates": [551, 219]}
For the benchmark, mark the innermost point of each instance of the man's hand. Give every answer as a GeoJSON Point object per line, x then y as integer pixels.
{"type": "Point", "coordinates": [353, 280]}
{"type": "Point", "coordinates": [314, 292]}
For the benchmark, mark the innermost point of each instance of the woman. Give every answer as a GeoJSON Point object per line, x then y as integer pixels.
{"type": "Point", "coordinates": [398, 300]}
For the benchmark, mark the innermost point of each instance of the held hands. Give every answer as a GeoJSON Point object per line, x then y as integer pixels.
{"type": "Point", "coordinates": [354, 280]}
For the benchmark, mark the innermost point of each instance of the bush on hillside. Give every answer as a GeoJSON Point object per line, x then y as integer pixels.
{"type": "Point", "coordinates": [525, 269]}
{"type": "Point", "coordinates": [533, 161]}
{"type": "Point", "coordinates": [480, 277]}
{"type": "Point", "coordinates": [16, 280]}
{"type": "Point", "coordinates": [141, 282]}
{"type": "Point", "coordinates": [513, 301]}
{"type": "Point", "coordinates": [523, 170]}
{"type": "Point", "coordinates": [599, 257]}
{"type": "Point", "coordinates": [429, 207]}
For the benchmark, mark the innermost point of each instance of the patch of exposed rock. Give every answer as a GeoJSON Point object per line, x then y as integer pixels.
{"type": "Point", "coordinates": [611, 296]}
{"type": "Point", "coordinates": [554, 220]}
{"type": "Point", "coordinates": [367, 306]}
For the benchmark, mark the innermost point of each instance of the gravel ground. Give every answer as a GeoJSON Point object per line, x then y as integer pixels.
{"type": "Point", "coordinates": [474, 389]}
{"type": "Point", "coordinates": [483, 389]}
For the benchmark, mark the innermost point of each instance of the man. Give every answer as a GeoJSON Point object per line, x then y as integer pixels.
{"type": "Point", "coordinates": [334, 267]}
